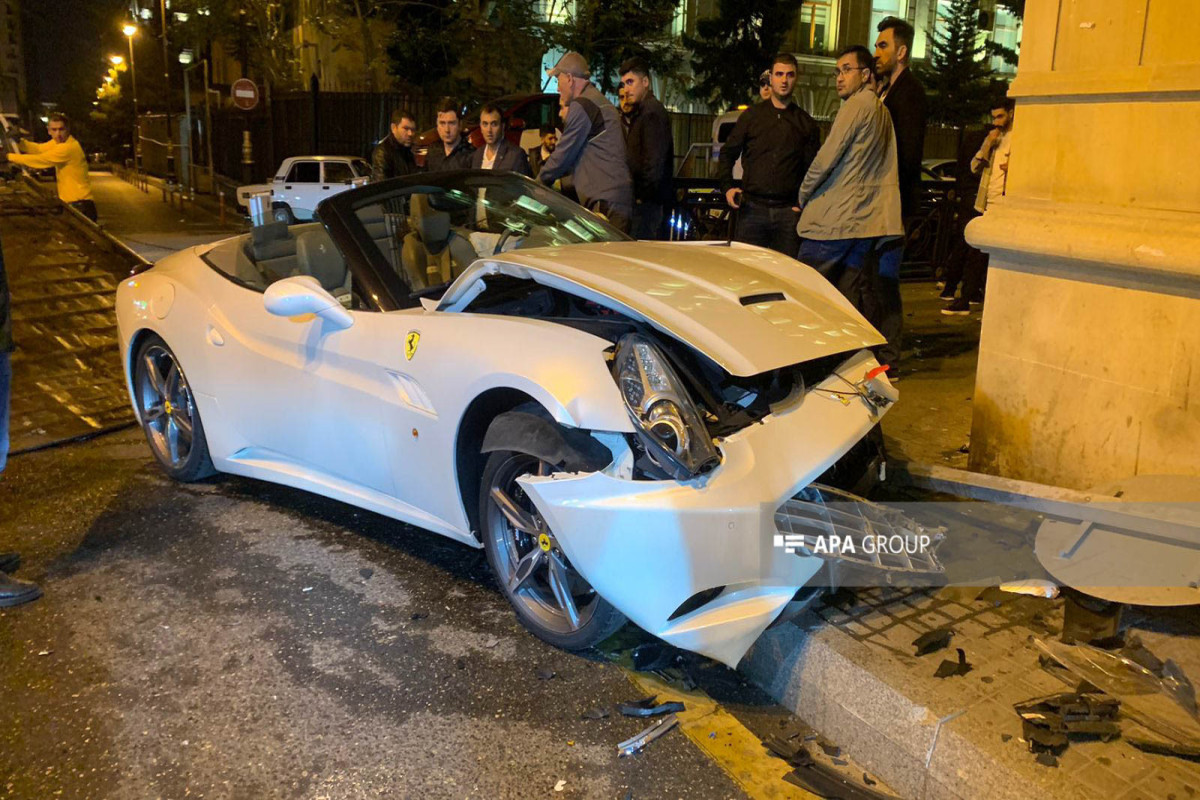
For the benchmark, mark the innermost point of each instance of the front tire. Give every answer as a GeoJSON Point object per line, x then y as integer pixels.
{"type": "Point", "coordinates": [552, 600]}
{"type": "Point", "coordinates": [168, 413]}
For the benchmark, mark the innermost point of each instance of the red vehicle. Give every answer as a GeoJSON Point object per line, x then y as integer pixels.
{"type": "Point", "coordinates": [524, 116]}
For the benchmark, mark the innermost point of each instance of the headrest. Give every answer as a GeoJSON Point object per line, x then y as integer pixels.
{"type": "Point", "coordinates": [432, 226]}
{"type": "Point", "coordinates": [317, 255]}
{"type": "Point", "coordinates": [271, 240]}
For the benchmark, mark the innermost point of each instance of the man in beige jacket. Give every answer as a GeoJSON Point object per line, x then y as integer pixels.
{"type": "Point", "coordinates": [849, 202]}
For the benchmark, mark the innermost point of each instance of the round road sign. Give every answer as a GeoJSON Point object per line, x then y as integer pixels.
{"type": "Point", "coordinates": [245, 94]}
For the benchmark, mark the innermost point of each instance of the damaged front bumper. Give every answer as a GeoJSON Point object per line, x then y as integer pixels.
{"type": "Point", "coordinates": [696, 563]}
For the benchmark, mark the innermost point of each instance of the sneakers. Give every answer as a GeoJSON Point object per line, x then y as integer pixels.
{"type": "Point", "coordinates": [15, 592]}
{"type": "Point", "coordinates": [959, 308]}
{"type": "Point", "coordinates": [977, 300]}
{"type": "Point", "coordinates": [947, 294]}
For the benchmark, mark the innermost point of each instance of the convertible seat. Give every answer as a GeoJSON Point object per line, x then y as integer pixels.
{"type": "Point", "coordinates": [433, 253]}
{"type": "Point", "coordinates": [316, 255]}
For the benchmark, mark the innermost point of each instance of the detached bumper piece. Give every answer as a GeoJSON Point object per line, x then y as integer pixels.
{"type": "Point", "coordinates": [862, 543]}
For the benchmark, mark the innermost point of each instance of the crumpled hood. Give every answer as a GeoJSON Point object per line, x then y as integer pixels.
{"type": "Point", "coordinates": [749, 309]}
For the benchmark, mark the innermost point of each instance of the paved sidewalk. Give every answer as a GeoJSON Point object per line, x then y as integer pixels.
{"type": "Point", "coordinates": [931, 424]}
{"type": "Point", "coordinates": [149, 226]}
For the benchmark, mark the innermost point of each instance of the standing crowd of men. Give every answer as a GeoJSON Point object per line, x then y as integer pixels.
{"type": "Point", "coordinates": [617, 163]}
{"type": "Point", "coordinates": [841, 206]}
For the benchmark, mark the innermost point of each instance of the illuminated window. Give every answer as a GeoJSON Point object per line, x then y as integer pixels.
{"type": "Point", "coordinates": [816, 26]}
{"type": "Point", "coordinates": [1007, 33]}
{"type": "Point", "coordinates": [885, 8]}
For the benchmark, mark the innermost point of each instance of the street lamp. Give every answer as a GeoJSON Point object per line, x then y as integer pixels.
{"type": "Point", "coordinates": [130, 30]}
{"type": "Point", "coordinates": [116, 61]}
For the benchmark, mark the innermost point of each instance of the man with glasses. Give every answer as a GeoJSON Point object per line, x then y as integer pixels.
{"type": "Point", "coordinates": [776, 140]}
{"type": "Point", "coordinates": [849, 200]}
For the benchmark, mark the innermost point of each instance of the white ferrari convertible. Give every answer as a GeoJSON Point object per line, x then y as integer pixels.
{"type": "Point", "coordinates": [629, 429]}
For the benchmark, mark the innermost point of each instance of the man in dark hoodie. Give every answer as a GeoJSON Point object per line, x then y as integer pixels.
{"type": "Point", "coordinates": [453, 150]}
{"type": "Point", "coordinates": [649, 151]}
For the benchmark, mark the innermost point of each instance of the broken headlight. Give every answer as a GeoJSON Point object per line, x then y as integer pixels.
{"type": "Point", "coordinates": [669, 425]}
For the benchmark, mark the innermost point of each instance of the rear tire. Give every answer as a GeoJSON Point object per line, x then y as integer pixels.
{"type": "Point", "coordinates": [168, 413]}
{"type": "Point", "coordinates": [551, 599]}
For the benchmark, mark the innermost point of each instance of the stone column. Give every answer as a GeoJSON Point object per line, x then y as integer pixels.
{"type": "Point", "coordinates": [1089, 361]}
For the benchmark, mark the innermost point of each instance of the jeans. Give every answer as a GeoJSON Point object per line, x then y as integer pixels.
{"type": "Point", "coordinates": [768, 226]}
{"type": "Point", "coordinates": [5, 391]}
{"type": "Point", "coordinates": [867, 271]}
{"type": "Point", "coordinates": [647, 221]}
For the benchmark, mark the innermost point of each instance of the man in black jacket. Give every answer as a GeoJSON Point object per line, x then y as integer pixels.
{"type": "Point", "coordinates": [542, 150]}
{"type": "Point", "coordinates": [452, 150]}
{"type": "Point", "coordinates": [777, 141]}
{"type": "Point", "coordinates": [904, 98]}
{"type": "Point", "coordinates": [498, 152]}
{"type": "Point", "coordinates": [649, 151]}
{"type": "Point", "coordinates": [393, 156]}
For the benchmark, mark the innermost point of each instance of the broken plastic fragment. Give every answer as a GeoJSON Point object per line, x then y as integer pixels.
{"type": "Point", "coordinates": [932, 641]}
{"type": "Point", "coordinates": [653, 656]}
{"type": "Point", "coordinates": [1034, 588]}
{"type": "Point", "coordinates": [595, 713]}
{"type": "Point", "coordinates": [646, 707]}
{"type": "Point", "coordinates": [558, 787]}
{"type": "Point", "coordinates": [1146, 699]}
{"type": "Point", "coordinates": [634, 744]}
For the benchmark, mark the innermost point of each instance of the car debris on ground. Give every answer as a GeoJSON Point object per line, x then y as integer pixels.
{"type": "Point", "coordinates": [646, 707]}
{"type": "Point", "coordinates": [932, 641]}
{"type": "Point", "coordinates": [636, 743]}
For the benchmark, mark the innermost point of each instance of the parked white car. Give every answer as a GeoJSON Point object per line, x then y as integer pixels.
{"type": "Point", "coordinates": [304, 181]}
{"type": "Point", "coordinates": [628, 429]}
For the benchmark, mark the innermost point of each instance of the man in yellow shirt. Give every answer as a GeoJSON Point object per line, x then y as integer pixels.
{"type": "Point", "coordinates": [64, 153]}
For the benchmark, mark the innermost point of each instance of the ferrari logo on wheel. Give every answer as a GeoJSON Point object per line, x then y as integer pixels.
{"type": "Point", "coordinates": [410, 344]}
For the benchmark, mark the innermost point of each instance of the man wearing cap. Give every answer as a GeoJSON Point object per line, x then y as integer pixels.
{"type": "Point", "coordinates": [592, 147]}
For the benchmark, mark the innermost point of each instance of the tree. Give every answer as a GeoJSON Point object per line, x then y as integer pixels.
{"type": "Point", "coordinates": [467, 47]}
{"type": "Point", "coordinates": [731, 49]}
{"type": "Point", "coordinates": [958, 78]}
{"type": "Point", "coordinates": [606, 32]}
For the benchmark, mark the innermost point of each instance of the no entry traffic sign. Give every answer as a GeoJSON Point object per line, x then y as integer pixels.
{"type": "Point", "coordinates": [245, 94]}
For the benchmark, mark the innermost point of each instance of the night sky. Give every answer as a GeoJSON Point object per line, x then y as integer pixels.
{"type": "Point", "coordinates": [66, 42]}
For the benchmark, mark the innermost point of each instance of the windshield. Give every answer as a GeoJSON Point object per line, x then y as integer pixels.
{"type": "Point", "coordinates": [428, 234]}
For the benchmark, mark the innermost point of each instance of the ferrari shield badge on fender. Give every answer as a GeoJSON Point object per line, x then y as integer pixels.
{"type": "Point", "coordinates": [410, 344]}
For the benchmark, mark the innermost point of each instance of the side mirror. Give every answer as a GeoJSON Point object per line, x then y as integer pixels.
{"type": "Point", "coordinates": [303, 294]}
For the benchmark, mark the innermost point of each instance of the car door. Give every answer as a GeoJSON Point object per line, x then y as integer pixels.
{"type": "Point", "coordinates": [336, 176]}
{"type": "Point", "coordinates": [303, 395]}
{"type": "Point", "coordinates": [301, 183]}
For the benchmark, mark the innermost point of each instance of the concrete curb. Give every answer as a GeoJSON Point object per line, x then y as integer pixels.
{"type": "Point", "coordinates": [822, 677]}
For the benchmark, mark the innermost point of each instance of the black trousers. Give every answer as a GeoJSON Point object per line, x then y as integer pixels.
{"type": "Point", "coordinates": [647, 220]}
{"type": "Point", "coordinates": [965, 264]}
{"type": "Point", "coordinates": [768, 226]}
{"type": "Point", "coordinates": [87, 208]}
{"type": "Point", "coordinates": [618, 216]}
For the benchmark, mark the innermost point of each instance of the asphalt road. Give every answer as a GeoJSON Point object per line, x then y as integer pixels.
{"type": "Point", "coordinates": [237, 639]}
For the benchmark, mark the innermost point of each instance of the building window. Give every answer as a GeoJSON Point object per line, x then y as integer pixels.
{"type": "Point", "coordinates": [557, 11]}
{"type": "Point", "coordinates": [1007, 33]}
{"type": "Point", "coordinates": [885, 8]}
{"type": "Point", "coordinates": [816, 26]}
{"type": "Point", "coordinates": [679, 21]}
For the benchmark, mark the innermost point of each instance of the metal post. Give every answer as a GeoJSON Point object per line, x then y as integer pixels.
{"type": "Point", "coordinates": [208, 132]}
{"type": "Point", "coordinates": [133, 79]}
{"type": "Point", "coordinates": [185, 140]}
{"type": "Point", "coordinates": [162, 7]}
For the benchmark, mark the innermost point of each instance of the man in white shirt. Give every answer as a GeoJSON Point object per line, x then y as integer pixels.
{"type": "Point", "coordinates": [497, 152]}
{"type": "Point", "coordinates": [992, 162]}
